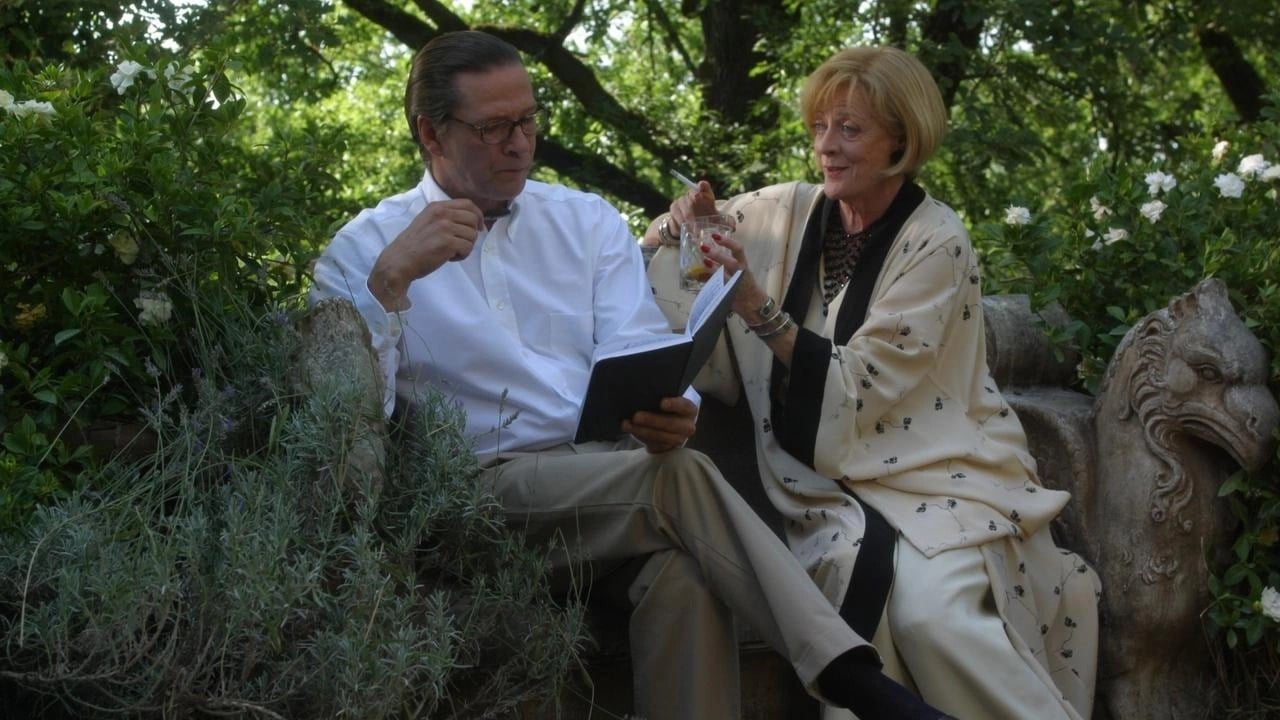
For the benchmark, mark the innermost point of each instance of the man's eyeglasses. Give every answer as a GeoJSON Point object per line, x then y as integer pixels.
{"type": "Point", "coordinates": [496, 132]}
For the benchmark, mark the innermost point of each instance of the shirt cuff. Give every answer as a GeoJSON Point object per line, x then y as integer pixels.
{"type": "Point", "coordinates": [381, 322]}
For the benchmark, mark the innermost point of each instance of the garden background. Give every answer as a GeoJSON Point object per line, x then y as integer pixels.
{"type": "Point", "coordinates": [169, 168]}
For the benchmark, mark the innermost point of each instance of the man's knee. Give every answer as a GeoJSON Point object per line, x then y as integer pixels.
{"type": "Point", "coordinates": [684, 463]}
{"type": "Point", "coordinates": [686, 472]}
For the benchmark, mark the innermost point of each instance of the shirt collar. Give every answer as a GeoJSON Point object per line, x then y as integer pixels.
{"type": "Point", "coordinates": [432, 192]}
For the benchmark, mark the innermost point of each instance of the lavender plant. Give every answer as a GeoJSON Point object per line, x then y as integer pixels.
{"type": "Point", "coordinates": [244, 568]}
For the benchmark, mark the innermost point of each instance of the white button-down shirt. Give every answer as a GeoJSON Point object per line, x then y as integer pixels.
{"type": "Point", "coordinates": [509, 331]}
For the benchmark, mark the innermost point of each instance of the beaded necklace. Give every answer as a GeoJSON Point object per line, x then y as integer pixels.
{"type": "Point", "coordinates": [840, 253]}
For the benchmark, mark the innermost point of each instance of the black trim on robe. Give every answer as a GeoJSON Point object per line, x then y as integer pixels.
{"type": "Point", "coordinates": [795, 421]}
{"type": "Point", "coordinates": [798, 431]}
{"type": "Point", "coordinates": [794, 436]}
{"type": "Point", "coordinates": [872, 575]}
{"type": "Point", "coordinates": [857, 298]}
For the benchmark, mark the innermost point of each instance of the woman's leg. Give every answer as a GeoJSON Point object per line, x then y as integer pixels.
{"type": "Point", "coordinates": [945, 625]}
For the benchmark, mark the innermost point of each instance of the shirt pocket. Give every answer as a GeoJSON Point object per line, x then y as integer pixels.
{"type": "Point", "coordinates": [568, 336]}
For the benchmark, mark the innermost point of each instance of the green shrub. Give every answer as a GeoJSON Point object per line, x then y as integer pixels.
{"type": "Point", "coordinates": [1091, 248]}
{"type": "Point", "coordinates": [220, 565]}
{"type": "Point", "coordinates": [124, 197]}
{"type": "Point", "coordinates": [243, 569]}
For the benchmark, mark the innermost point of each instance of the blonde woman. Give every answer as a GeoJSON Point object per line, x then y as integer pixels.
{"type": "Point", "coordinates": [904, 477]}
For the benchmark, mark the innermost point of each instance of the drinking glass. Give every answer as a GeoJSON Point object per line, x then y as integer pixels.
{"type": "Point", "coordinates": [694, 234]}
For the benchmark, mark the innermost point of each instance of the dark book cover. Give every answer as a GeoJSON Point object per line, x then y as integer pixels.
{"type": "Point", "coordinates": [637, 377]}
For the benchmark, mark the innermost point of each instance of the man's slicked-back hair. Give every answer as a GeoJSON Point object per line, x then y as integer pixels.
{"type": "Point", "coordinates": [431, 91]}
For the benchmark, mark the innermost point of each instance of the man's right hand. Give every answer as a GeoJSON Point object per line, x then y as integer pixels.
{"type": "Point", "coordinates": [443, 231]}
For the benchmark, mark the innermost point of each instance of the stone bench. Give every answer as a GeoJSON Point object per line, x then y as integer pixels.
{"type": "Point", "coordinates": [1143, 461]}
{"type": "Point", "coordinates": [1184, 402]}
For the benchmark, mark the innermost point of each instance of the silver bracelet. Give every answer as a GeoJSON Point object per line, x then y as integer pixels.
{"type": "Point", "coordinates": [769, 311]}
{"type": "Point", "coordinates": [664, 234]}
{"type": "Point", "coordinates": [786, 324]}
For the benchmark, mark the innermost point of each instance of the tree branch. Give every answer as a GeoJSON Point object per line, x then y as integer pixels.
{"type": "Point", "coordinates": [596, 173]}
{"type": "Point", "coordinates": [406, 28]}
{"type": "Point", "coordinates": [443, 17]}
{"type": "Point", "coordinates": [598, 102]}
{"type": "Point", "coordinates": [663, 21]}
{"type": "Point", "coordinates": [570, 22]}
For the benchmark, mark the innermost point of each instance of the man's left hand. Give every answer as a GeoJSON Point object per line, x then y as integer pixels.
{"type": "Point", "coordinates": [666, 429]}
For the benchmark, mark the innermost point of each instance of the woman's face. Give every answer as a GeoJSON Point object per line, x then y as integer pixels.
{"type": "Point", "coordinates": [853, 150]}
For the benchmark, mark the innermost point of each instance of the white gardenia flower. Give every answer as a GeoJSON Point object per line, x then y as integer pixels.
{"type": "Point", "coordinates": [1152, 210]}
{"type": "Point", "coordinates": [1100, 211]}
{"type": "Point", "coordinates": [1271, 174]}
{"type": "Point", "coordinates": [1014, 215]}
{"type": "Point", "coordinates": [154, 309]}
{"type": "Point", "coordinates": [42, 110]}
{"type": "Point", "coordinates": [126, 72]}
{"type": "Point", "coordinates": [1252, 166]}
{"type": "Point", "coordinates": [6, 101]}
{"type": "Point", "coordinates": [1115, 235]}
{"type": "Point", "coordinates": [178, 79]}
{"type": "Point", "coordinates": [1270, 602]}
{"type": "Point", "coordinates": [1229, 185]}
{"type": "Point", "coordinates": [1220, 150]}
{"type": "Point", "coordinates": [1157, 181]}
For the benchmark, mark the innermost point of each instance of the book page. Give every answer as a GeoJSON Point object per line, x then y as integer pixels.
{"type": "Point", "coordinates": [709, 297]}
{"type": "Point", "coordinates": [706, 301]}
{"type": "Point", "coordinates": [634, 345]}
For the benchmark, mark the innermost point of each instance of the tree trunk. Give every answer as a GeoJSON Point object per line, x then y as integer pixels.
{"type": "Point", "coordinates": [731, 30]}
{"type": "Point", "coordinates": [1238, 77]}
{"type": "Point", "coordinates": [950, 36]}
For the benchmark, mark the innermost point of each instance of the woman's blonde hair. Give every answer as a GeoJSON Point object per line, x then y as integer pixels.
{"type": "Point", "coordinates": [900, 90]}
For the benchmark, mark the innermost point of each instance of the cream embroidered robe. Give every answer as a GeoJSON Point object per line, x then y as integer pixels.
{"type": "Point", "coordinates": [912, 423]}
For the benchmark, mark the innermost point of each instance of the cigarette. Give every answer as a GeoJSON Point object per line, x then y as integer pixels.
{"type": "Point", "coordinates": [687, 182]}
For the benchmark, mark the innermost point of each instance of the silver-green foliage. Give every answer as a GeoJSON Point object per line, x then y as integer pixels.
{"type": "Point", "coordinates": [239, 569]}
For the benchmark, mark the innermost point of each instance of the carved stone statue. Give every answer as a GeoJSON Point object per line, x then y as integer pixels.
{"type": "Point", "coordinates": [1183, 397]}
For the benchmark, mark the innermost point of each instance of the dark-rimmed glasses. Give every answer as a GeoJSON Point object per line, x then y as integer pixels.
{"type": "Point", "coordinates": [496, 132]}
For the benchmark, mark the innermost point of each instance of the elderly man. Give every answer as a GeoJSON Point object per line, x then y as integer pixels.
{"type": "Point", "coordinates": [496, 289]}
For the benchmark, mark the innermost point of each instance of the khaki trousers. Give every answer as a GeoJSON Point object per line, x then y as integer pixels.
{"type": "Point", "coordinates": [709, 558]}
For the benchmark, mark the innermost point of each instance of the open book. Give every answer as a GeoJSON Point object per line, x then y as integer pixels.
{"type": "Point", "coordinates": [637, 375]}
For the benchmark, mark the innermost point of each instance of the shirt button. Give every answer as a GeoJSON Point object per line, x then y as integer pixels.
{"type": "Point", "coordinates": [502, 305]}
{"type": "Point", "coordinates": [488, 249]}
